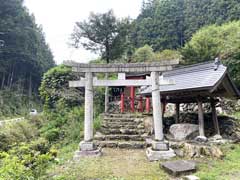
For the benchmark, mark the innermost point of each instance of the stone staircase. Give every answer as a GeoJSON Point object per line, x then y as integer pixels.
{"type": "Point", "coordinates": [122, 131]}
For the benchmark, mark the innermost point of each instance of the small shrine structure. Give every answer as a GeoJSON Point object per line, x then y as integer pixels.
{"type": "Point", "coordinates": [198, 83]}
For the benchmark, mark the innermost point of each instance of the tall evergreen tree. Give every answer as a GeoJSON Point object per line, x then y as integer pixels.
{"type": "Point", "coordinates": [168, 24]}
{"type": "Point", "coordinates": [25, 54]}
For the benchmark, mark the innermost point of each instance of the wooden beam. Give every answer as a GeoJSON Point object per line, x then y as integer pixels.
{"type": "Point", "coordinates": [160, 66]}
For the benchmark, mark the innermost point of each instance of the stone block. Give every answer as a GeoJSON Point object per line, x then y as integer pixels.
{"type": "Point", "coordinates": [160, 145]}
{"type": "Point", "coordinates": [179, 167]}
{"type": "Point", "coordinates": [159, 155]}
{"type": "Point", "coordinates": [87, 146]}
{"type": "Point", "coordinates": [81, 154]}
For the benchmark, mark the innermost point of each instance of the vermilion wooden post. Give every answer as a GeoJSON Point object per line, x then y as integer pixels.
{"type": "Point", "coordinates": [147, 104]}
{"type": "Point", "coordinates": [122, 103]}
{"type": "Point", "coordinates": [132, 96]}
{"type": "Point", "coordinates": [141, 104]}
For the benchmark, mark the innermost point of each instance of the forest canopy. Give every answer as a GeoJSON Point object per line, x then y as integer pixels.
{"type": "Point", "coordinates": [24, 54]}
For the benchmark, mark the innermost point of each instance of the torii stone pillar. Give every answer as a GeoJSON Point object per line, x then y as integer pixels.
{"type": "Point", "coordinates": [160, 148]}
{"type": "Point", "coordinates": [87, 147]}
{"type": "Point", "coordinates": [157, 109]}
{"type": "Point", "coordinates": [88, 114]}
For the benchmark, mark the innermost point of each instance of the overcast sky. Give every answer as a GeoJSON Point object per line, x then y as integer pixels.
{"type": "Point", "coordinates": [59, 16]}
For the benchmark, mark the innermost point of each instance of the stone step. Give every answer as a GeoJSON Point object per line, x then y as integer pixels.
{"type": "Point", "coordinates": [121, 123]}
{"type": "Point", "coordinates": [120, 137]}
{"type": "Point", "coordinates": [124, 115]}
{"type": "Point", "coordinates": [122, 131]}
{"type": "Point", "coordinates": [122, 119]}
{"type": "Point", "coordinates": [122, 144]}
{"type": "Point", "coordinates": [122, 126]}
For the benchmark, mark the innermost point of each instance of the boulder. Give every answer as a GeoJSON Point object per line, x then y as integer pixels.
{"type": "Point", "coordinates": [148, 124]}
{"type": "Point", "coordinates": [198, 150]}
{"type": "Point", "coordinates": [181, 132]}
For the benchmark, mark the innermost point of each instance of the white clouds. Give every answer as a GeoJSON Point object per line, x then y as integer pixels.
{"type": "Point", "coordinates": [59, 16]}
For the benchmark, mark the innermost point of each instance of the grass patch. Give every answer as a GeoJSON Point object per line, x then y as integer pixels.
{"type": "Point", "coordinates": [226, 169]}
{"type": "Point", "coordinates": [118, 164]}
{"type": "Point", "coordinates": [113, 165]}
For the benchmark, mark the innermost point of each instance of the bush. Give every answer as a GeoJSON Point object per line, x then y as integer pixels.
{"type": "Point", "coordinates": [63, 123]}
{"type": "Point", "coordinates": [26, 160]}
{"type": "Point", "coordinates": [15, 133]}
{"type": "Point", "coordinates": [216, 41]}
{"type": "Point", "coordinates": [54, 88]}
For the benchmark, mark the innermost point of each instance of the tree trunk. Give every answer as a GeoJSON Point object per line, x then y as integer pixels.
{"type": "Point", "coordinates": [30, 86]}
{"type": "Point", "coordinates": [3, 80]}
{"type": "Point", "coordinates": [11, 79]}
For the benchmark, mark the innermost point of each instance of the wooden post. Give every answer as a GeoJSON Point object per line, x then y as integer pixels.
{"type": "Point", "coordinates": [147, 104]}
{"type": "Point", "coordinates": [122, 103]}
{"type": "Point", "coordinates": [214, 117]}
{"type": "Point", "coordinates": [141, 104]}
{"type": "Point", "coordinates": [177, 113]}
{"type": "Point", "coordinates": [201, 119]}
{"type": "Point", "coordinates": [164, 104]}
{"type": "Point", "coordinates": [132, 98]}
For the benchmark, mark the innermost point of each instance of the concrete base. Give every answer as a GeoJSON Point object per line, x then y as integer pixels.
{"type": "Point", "coordinates": [160, 145]}
{"type": "Point", "coordinates": [87, 146]}
{"type": "Point", "coordinates": [154, 155]}
{"type": "Point", "coordinates": [93, 153]}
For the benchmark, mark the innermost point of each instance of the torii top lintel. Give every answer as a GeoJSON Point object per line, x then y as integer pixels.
{"type": "Point", "coordinates": [161, 66]}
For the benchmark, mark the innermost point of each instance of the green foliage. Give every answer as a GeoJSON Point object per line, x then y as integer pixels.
{"type": "Point", "coordinates": [55, 87]}
{"type": "Point", "coordinates": [23, 155]}
{"type": "Point", "coordinates": [14, 103]}
{"type": "Point", "coordinates": [26, 160]}
{"type": "Point", "coordinates": [102, 33]}
{"type": "Point", "coordinates": [63, 123]}
{"type": "Point", "coordinates": [168, 24]}
{"type": "Point", "coordinates": [167, 55]}
{"type": "Point", "coordinates": [143, 54]}
{"type": "Point", "coordinates": [25, 54]}
{"type": "Point", "coordinates": [16, 133]}
{"type": "Point", "coordinates": [216, 41]}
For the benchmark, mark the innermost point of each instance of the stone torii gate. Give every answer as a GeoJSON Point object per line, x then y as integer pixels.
{"type": "Point", "coordinates": [160, 148]}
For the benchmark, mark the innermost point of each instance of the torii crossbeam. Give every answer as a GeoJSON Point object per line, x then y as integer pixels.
{"type": "Point", "coordinates": [87, 146]}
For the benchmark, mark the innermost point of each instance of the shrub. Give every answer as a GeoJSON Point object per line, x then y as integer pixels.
{"type": "Point", "coordinates": [26, 160]}
{"type": "Point", "coordinates": [15, 133]}
{"type": "Point", "coordinates": [54, 87]}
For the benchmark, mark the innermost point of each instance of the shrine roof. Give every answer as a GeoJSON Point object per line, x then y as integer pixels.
{"type": "Point", "coordinates": [207, 77]}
